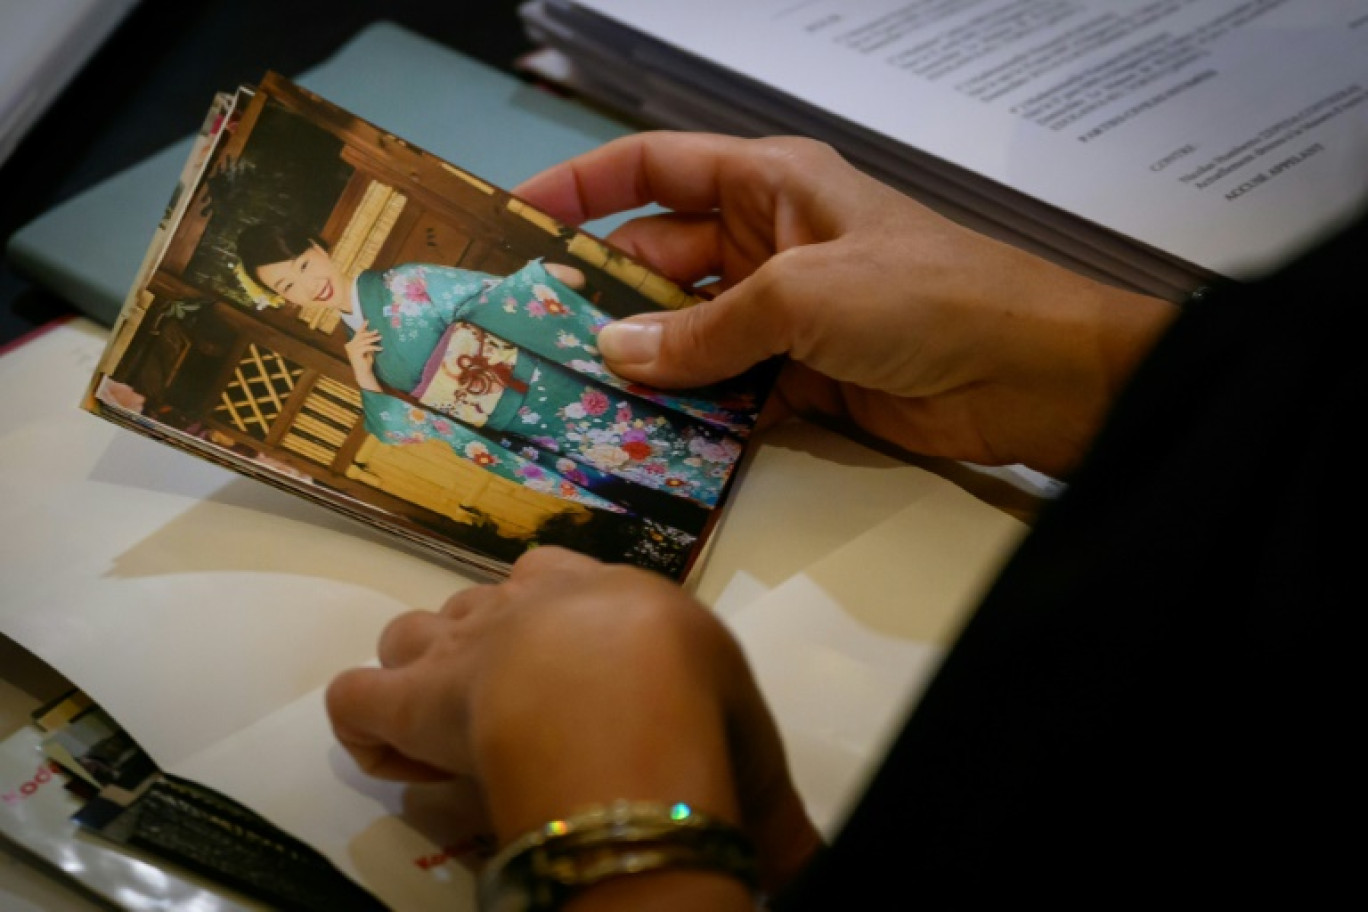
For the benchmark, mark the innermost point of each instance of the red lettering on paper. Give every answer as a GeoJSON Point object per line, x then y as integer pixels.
{"type": "Point", "coordinates": [40, 778]}
{"type": "Point", "coordinates": [480, 846]}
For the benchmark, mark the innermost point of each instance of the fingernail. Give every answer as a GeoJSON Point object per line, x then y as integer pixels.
{"type": "Point", "coordinates": [628, 342]}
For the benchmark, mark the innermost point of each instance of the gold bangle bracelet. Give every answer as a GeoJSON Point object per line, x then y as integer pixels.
{"type": "Point", "coordinates": [542, 869]}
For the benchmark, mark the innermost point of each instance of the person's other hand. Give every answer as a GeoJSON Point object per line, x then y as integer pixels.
{"type": "Point", "coordinates": [920, 331]}
{"type": "Point", "coordinates": [572, 683]}
{"type": "Point", "coordinates": [361, 350]}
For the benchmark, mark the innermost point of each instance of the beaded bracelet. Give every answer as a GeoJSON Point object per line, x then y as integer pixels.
{"type": "Point", "coordinates": [542, 869]}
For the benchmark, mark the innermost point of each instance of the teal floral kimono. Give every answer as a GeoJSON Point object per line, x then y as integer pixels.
{"type": "Point", "coordinates": [505, 371]}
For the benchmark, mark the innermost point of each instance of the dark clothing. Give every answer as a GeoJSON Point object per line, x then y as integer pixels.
{"type": "Point", "coordinates": [1154, 700]}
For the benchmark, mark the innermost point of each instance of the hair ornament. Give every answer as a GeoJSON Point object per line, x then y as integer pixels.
{"type": "Point", "coordinates": [260, 296]}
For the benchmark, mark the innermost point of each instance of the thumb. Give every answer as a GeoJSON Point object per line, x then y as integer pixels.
{"type": "Point", "coordinates": [708, 342]}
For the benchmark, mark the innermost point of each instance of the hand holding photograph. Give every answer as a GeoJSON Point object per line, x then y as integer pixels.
{"type": "Point", "coordinates": [334, 311]}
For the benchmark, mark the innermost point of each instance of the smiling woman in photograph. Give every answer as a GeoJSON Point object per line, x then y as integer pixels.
{"type": "Point", "coordinates": [478, 359]}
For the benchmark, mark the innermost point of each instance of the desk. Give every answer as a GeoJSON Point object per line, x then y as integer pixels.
{"type": "Point", "coordinates": [157, 74]}
{"type": "Point", "coordinates": [128, 546]}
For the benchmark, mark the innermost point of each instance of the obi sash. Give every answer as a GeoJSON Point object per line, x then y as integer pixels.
{"type": "Point", "coordinates": [469, 373]}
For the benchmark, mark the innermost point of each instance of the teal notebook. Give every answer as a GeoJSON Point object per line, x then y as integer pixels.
{"type": "Point", "coordinates": [88, 249]}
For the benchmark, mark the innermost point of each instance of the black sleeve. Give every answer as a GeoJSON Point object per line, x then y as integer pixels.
{"type": "Point", "coordinates": [1156, 698]}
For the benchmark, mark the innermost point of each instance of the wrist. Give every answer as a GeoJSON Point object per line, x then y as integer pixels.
{"type": "Point", "coordinates": [365, 377]}
{"type": "Point", "coordinates": [1084, 342]}
{"type": "Point", "coordinates": [622, 856]}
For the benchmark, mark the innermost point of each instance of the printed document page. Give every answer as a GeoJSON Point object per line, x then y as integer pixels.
{"type": "Point", "coordinates": [1227, 133]}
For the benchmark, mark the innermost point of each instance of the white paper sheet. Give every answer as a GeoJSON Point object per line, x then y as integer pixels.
{"type": "Point", "coordinates": [843, 649]}
{"type": "Point", "coordinates": [187, 600]}
{"type": "Point", "coordinates": [1228, 133]}
{"type": "Point", "coordinates": [206, 612]}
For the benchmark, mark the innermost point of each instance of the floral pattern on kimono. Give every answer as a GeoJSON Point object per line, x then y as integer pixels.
{"type": "Point", "coordinates": [516, 356]}
{"type": "Point", "coordinates": [397, 422]}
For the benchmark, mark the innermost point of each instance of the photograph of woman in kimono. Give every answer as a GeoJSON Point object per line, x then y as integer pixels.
{"type": "Point", "coordinates": [504, 370]}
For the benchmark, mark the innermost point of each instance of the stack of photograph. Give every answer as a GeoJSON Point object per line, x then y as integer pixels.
{"type": "Point", "coordinates": [342, 315]}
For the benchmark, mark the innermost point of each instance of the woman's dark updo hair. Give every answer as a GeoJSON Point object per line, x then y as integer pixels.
{"type": "Point", "coordinates": [259, 245]}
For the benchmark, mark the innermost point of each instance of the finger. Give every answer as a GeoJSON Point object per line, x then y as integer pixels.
{"type": "Point", "coordinates": [684, 248]}
{"type": "Point", "coordinates": [406, 637]}
{"type": "Point", "coordinates": [713, 341]}
{"type": "Point", "coordinates": [550, 559]}
{"type": "Point", "coordinates": [364, 706]}
{"type": "Point", "coordinates": [677, 170]}
{"type": "Point", "coordinates": [466, 601]}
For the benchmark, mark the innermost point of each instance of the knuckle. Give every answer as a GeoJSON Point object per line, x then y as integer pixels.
{"type": "Point", "coordinates": [549, 558]}
{"type": "Point", "coordinates": [399, 638]}
{"type": "Point", "coordinates": [690, 332]}
{"type": "Point", "coordinates": [790, 303]}
{"type": "Point", "coordinates": [795, 156]}
{"type": "Point", "coordinates": [775, 286]}
{"type": "Point", "coordinates": [340, 693]}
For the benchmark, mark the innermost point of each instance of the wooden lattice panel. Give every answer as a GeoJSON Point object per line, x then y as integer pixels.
{"type": "Point", "coordinates": [325, 419]}
{"type": "Point", "coordinates": [256, 395]}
